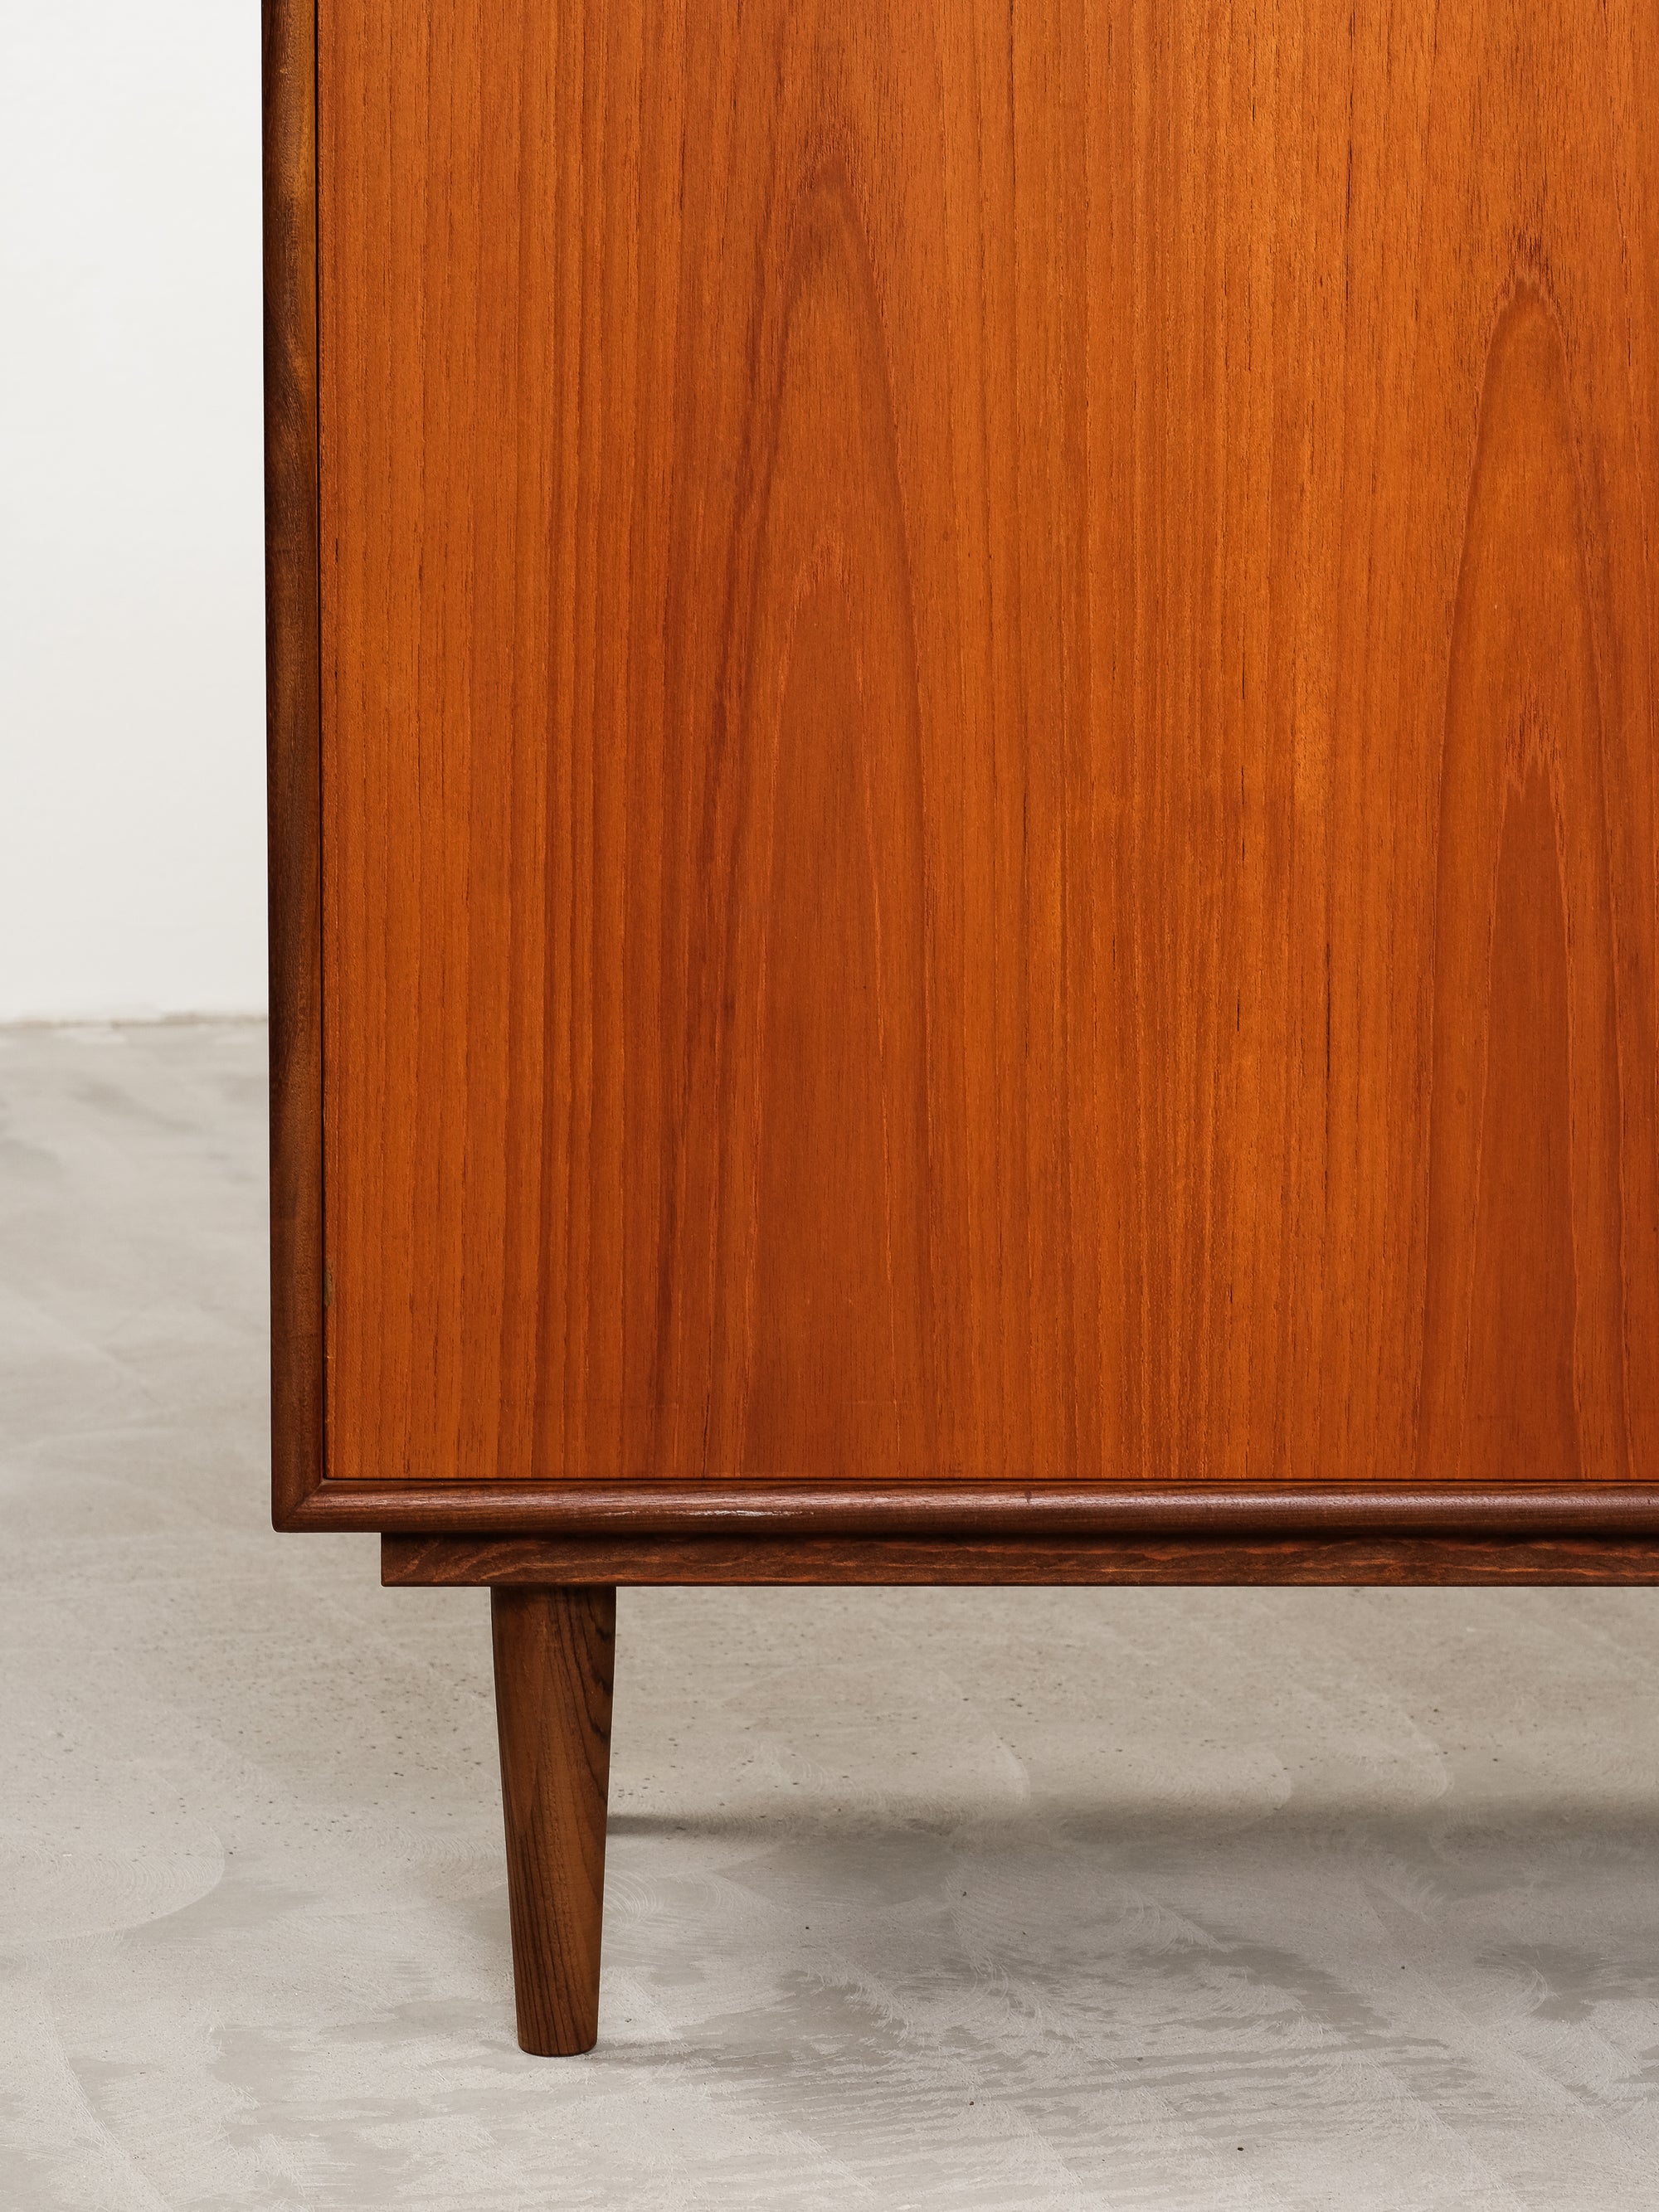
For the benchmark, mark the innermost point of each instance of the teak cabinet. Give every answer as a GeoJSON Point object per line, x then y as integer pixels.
{"type": "Point", "coordinates": [962, 712]}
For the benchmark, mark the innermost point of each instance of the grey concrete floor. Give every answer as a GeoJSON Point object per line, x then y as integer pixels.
{"type": "Point", "coordinates": [959, 1899]}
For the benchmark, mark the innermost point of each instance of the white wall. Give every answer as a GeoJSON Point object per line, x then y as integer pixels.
{"type": "Point", "coordinates": [131, 698]}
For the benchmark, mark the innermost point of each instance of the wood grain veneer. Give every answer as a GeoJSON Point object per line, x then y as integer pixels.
{"type": "Point", "coordinates": [1618, 1513]}
{"type": "Point", "coordinates": [293, 711]}
{"type": "Point", "coordinates": [553, 1653]}
{"type": "Point", "coordinates": [988, 724]}
{"type": "Point", "coordinates": [628, 1558]}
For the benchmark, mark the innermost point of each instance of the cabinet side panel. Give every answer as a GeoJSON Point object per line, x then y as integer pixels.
{"type": "Point", "coordinates": [988, 737]}
{"type": "Point", "coordinates": [292, 694]}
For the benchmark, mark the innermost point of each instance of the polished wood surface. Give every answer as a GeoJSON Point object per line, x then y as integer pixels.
{"type": "Point", "coordinates": [554, 1651]}
{"type": "Point", "coordinates": [1621, 1513]}
{"type": "Point", "coordinates": [988, 741]}
{"type": "Point", "coordinates": [504, 1562]}
{"type": "Point", "coordinates": [293, 710]}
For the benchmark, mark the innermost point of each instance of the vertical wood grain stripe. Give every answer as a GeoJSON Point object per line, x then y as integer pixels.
{"type": "Point", "coordinates": [293, 682]}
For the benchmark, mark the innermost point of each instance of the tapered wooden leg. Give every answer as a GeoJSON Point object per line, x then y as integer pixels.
{"type": "Point", "coordinates": [553, 1668]}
